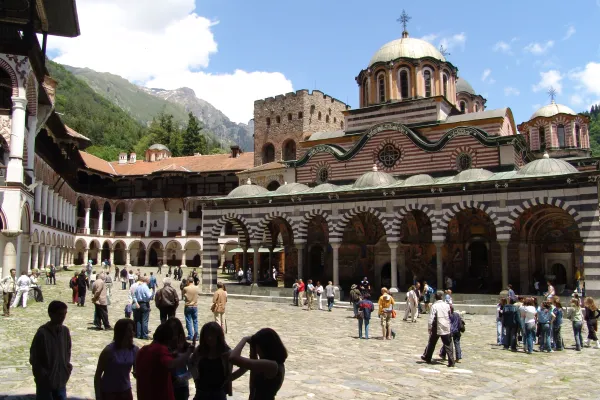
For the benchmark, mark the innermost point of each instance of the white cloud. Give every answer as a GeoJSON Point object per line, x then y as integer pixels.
{"type": "Point", "coordinates": [511, 91]}
{"type": "Point", "coordinates": [570, 32]}
{"type": "Point", "coordinates": [145, 41]}
{"type": "Point", "coordinates": [588, 78]}
{"type": "Point", "coordinates": [537, 48]}
{"type": "Point", "coordinates": [430, 38]}
{"type": "Point", "coordinates": [486, 74]}
{"type": "Point", "coordinates": [503, 47]}
{"type": "Point", "coordinates": [576, 100]}
{"type": "Point", "coordinates": [549, 79]}
{"type": "Point", "coordinates": [451, 42]}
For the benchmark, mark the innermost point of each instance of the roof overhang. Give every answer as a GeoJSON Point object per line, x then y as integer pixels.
{"type": "Point", "coordinates": [54, 17]}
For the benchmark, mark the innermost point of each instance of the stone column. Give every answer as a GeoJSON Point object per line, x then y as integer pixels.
{"type": "Point", "coordinates": [45, 200]}
{"type": "Point", "coordinates": [31, 143]}
{"type": "Point", "coordinates": [112, 257]}
{"type": "Point", "coordinates": [255, 248]}
{"type": "Point", "coordinates": [165, 256]}
{"type": "Point", "coordinates": [222, 256]}
{"type": "Point", "coordinates": [504, 259]}
{"type": "Point", "coordinates": [147, 258]}
{"type": "Point", "coordinates": [42, 256]}
{"type": "Point", "coordinates": [86, 226]}
{"type": "Point", "coordinates": [166, 226]}
{"type": "Point", "coordinates": [55, 212]}
{"type": "Point", "coordinates": [50, 212]}
{"type": "Point", "coordinates": [29, 260]}
{"type": "Point", "coordinates": [148, 215]}
{"type": "Point", "coordinates": [394, 266]}
{"type": "Point", "coordinates": [9, 257]}
{"type": "Point", "coordinates": [336, 264]}
{"type": "Point", "coordinates": [128, 258]}
{"type": "Point", "coordinates": [184, 225]}
{"type": "Point", "coordinates": [85, 256]}
{"type": "Point", "coordinates": [440, 265]}
{"type": "Point", "coordinates": [34, 255]}
{"type": "Point", "coordinates": [101, 222]}
{"type": "Point", "coordinates": [37, 203]}
{"type": "Point", "coordinates": [113, 218]}
{"type": "Point", "coordinates": [129, 221]}
{"type": "Point", "coordinates": [300, 247]}
{"type": "Point", "coordinates": [245, 260]}
{"type": "Point", "coordinates": [14, 171]}
{"type": "Point", "coordinates": [183, 258]}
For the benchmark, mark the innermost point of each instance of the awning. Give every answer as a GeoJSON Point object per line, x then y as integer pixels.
{"type": "Point", "coordinates": [261, 250]}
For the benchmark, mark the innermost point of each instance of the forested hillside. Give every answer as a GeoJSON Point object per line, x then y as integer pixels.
{"type": "Point", "coordinates": [594, 115]}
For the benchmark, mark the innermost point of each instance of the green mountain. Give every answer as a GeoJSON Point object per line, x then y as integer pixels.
{"type": "Point", "coordinates": [144, 104]}
{"type": "Point", "coordinates": [594, 115]}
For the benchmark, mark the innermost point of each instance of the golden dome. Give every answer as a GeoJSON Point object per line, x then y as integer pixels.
{"type": "Point", "coordinates": [406, 47]}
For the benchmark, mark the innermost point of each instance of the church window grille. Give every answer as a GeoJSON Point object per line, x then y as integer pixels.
{"type": "Point", "coordinates": [381, 87]}
{"type": "Point", "coordinates": [155, 223]}
{"type": "Point", "coordinates": [577, 136]}
{"type": "Point", "coordinates": [463, 107]}
{"type": "Point", "coordinates": [322, 174]}
{"type": "Point", "coordinates": [427, 78]}
{"type": "Point", "coordinates": [445, 83]}
{"type": "Point", "coordinates": [404, 84]}
{"type": "Point", "coordinates": [268, 153]}
{"type": "Point", "coordinates": [561, 135]}
{"type": "Point", "coordinates": [464, 161]}
{"type": "Point", "coordinates": [389, 155]}
{"type": "Point", "coordinates": [141, 224]}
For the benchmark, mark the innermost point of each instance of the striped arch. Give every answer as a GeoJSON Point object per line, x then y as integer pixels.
{"type": "Point", "coordinates": [32, 94]}
{"type": "Point", "coordinates": [13, 76]}
{"type": "Point", "coordinates": [465, 205]}
{"type": "Point", "coordinates": [262, 226]}
{"type": "Point", "coordinates": [240, 223]}
{"type": "Point", "coordinates": [550, 201]}
{"type": "Point", "coordinates": [338, 231]}
{"type": "Point", "coordinates": [400, 215]}
{"type": "Point", "coordinates": [303, 227]}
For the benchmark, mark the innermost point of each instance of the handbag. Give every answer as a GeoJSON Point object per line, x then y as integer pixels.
{"type": "Point", "coordinates": [393, 313]}
{"type": "Point", "coordinates": [213, 307]}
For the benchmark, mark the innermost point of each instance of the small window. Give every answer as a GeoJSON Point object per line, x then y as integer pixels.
{"type": "Point", "coordinates": [289, 116]}
{"type": "Point", "coordinates": [381, 88]}
{"type": "Point", "coordinates": [365, 92]}
{"type": "Point", "coordinates": [268, 121]}
{"type": "Point", "coordinates": [463, 161]}
{"type": "Point", "coordinates": [389, 155]}
{"type": "Point", "coordinates": [577, 136]}
{"type": "Point", "coordinates": [141, 224]}
{"type": "Point", "coordinates": [342, 124]}
{"type": "Point", "coordinates": [180, 211]}
{"type": "Point", "coordinates": [561, 135]}
{"type": "Point", "coordinates": [334, 120]}
{"type": "Point", "coordinates": [323, 174]}
{"type": "Point", "coordinates": [300, 115]}
{"type": "Point", "coordinates": [155, 224]}
{"type": "Point", "coordinates": [319, 117]}
{"type": "Point", "coordinates": [476, 107]}
{"type": "Point", "coordinates": [445, 83]}
{"type": "Point", "coordinates": [427, 78]}
{"type": "Point", "coordinates": [542, 137]}
{"type": "Point", "coordinates": [463, 107]}
{"type": "Point", "coordinates": [312, 109]}
{"type": "Point", "coordinates": [278, 119]}
{"type": "Point", "coordinates": [404, 85]}
{"type": "Point", "coordinates": [327, 118]}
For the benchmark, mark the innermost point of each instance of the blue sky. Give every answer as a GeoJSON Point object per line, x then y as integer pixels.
{"type": "Point", "coordinates": [509, 54]}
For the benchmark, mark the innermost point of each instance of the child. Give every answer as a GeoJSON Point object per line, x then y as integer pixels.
{"type": "Point", "coordinates": [128, 310]}
{"type": "Point", "coordinates": [556, 325]}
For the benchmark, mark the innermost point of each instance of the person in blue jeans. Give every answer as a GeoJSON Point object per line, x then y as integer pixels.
{"type": "Point", "coordinates": [528, 314]}
{"type": "Point", "coordinates": [576, 316]}
{"type": "Point", "coordinates": [545, 318]}
{"type": "Point", "coordinates": [190, 311]}
{"type": "Point", "coordinates": [366, 306]}
{"type": "Point", "coordinates": [142, 296]}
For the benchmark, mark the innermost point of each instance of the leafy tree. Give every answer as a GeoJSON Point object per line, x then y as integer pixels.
{"type": "Point", "coordinates": [109, 153]}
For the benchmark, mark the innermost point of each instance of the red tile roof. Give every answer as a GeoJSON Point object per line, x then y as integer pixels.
{"type": "Point", "coordinates": [204, 163]}
{"type": "Point", "coordinates": [265, 167]}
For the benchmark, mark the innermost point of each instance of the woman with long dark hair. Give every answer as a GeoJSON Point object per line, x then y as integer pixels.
{"type": "Point", "coordinates": [210, 365]}
{"type": "Point", "coordinates": [112, 379]}
{"type": "Point", "coordinates": [181, 375]}
{"type": "Point", "coordinates": [266, 363]}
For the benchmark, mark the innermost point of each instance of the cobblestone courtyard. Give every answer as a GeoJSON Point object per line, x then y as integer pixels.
{"type": "Point", "coordinates": [326, 360]}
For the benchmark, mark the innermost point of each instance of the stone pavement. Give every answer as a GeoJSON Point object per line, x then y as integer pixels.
{"type": "Point", "coordinates": [326, 360]}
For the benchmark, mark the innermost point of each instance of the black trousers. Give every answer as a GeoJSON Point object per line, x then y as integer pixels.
{"type": "Point", "coordinates": [447, 342]}
{"type": "Point", "coordinates": [510, 337]}
{"type": "Point", "coordinates": [101, 316]}
{"type": "Point", "coordinates": [166, 313]}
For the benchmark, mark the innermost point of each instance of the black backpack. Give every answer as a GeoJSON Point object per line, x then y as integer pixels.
{"type": "Point", "coordinates": [509, 317]}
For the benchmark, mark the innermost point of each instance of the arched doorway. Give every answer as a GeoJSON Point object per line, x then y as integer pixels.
{"type": "Point", "coordinates": [289, 150]}
{"type": "Point", "coordinates": [417, 251]}
{"type": "Point", "coordinates": [268, 153]}
{"type": "Point", "coordinates": [319, 266]}
{"type": "Point", "coordinates": [278, 234]}
{"type": "Point", "coordinates": [273, 185]}
{"type": "Point", "coordinates": [105, 254]}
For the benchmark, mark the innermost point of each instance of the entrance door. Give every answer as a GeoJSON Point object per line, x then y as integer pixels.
{"type": "Point", "coordinates": [153, 257]}
{"type": "Point", "coordinates": [560, 273]}
{"type": "Point", "coordinates": [316, 260]}
{"type": "Point", "coordinates": [478, 264]}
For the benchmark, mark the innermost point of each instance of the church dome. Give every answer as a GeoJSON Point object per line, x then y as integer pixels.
{"type": "Point", "coordinates": [247, 190]}
{"type": "Point", "coordinates": [374, 179]}
{"type": "Point", "coordinates": [419, 180]}
{"type": "Point", "coordinates": [472, 175]}
{"type": "Point", "coordinates": [547, 166]}
{"type": "Point", "coordinates": [406, 47]}
{"type": "Point", "coordinates": [551, 110]}
{"type": "Point", "coordinates": [158, 146]}
{"type": "Point", "coordinates": [463, 86]}
{"type": "Point", "coordinates": [289, 188]}
{"type": "Point", "coordinates": [324, 187]}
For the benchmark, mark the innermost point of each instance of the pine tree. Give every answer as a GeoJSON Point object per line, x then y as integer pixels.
{"type": "Point", "coordinates": [193, 140]}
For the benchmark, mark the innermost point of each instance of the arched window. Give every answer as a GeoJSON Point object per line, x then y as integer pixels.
{"type": "Point", "coordinates": [561, 135]}
{"type": "Point", "coordinates": [445, 85]}
{"type": "Point", "coordinates": [319, 115]}
{"type": "Point", "coordinates": [464, 161]}
{"type": "Point", "coordinates": [476, 107]}
{"type": "Point", "coordinates": [404, 84]}
{"type": "Point", "coordinates": [428, 83]}
{"type": "Point", "coordinates": [268, 154]}
{"type": "Point", "coordinates": [5, 90]}
{"type": "Point", "coordinates": [542, 137]}
{"type": "Point", "coordinates": [381, 87]}
{"type": "Point", "coordinates": [289, 150]}
{"type": "Point", "coordinates": [365, 91]}
{"type": "Point", "coordinates": [577, 136]}
{"type": "Point", "coordinates": [463, 107]}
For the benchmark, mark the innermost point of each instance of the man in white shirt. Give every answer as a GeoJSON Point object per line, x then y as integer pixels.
{"type": "Point", "coordinates": [412, 303]}
{"type": "Point", "coordinates": [439, 327]}
{"type": "Point", "coordinates": [23, 284]}
{"type": "Point", "coordinates": [8, 286]}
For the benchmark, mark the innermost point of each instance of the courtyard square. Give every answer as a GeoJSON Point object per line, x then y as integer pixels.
{"type": "Point", "coordinates": [326, 360]}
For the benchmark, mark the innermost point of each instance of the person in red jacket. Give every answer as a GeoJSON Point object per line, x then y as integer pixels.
{"type": "Point", "coordinates": [301, 289]}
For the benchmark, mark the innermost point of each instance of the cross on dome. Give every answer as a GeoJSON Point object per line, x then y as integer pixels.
{"type": "Point", "coordinates": [552, 94]}
{"type": "Point", "coordinates": [404, 18]}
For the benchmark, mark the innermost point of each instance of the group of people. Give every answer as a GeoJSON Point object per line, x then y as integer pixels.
{"type": "Point", "coordinates": [16, 291]}
{"type": "Point", "coordinates": [162, 368]}
{"type": "Point", "coordinates": [521, 321]}
{"type": "Point", "coordinates": [306, 294]}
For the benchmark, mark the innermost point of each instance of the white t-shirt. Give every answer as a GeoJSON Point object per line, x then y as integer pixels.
{"type": "Point", "coordinates": [528, 313]}
{"type": "Point", "coordinates": [319, 289]}
{"type": "Point", "coordinates": [23, 282]}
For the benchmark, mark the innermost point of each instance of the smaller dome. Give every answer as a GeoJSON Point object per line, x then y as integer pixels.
{"type": "Point", "coordinates": [324, 187]}
{"type": "Point", "coordinates": [419, 180]}
{"type": "Point", "coordinates": [472, 175]}
{"type": "Point", "coordinates": [374, 179]}
{"type": "Point", "coordinates": [464, 86]}
{"type": "Point", "coordinates": [247, 190]}
{"type": "Point", "coordinates": [551, 110]}
{"type": "Point", "coordinates": [158, 146]}
{"type": "Point", "coordinates": [547, 166]}
{"type": "Point", "coordinates": [289, 188]}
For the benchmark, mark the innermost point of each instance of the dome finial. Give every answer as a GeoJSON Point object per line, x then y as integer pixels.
{"type": "Point", "coordinates": [248, 182]}
{"type": "Point", "coordinates": [404, 18]}
{"type": "Point", "coordinates": [552, 94]}
{"type": "Point", "coordinates": [374, 167]}
{"type": "Point", "coordinates": [546, 155]}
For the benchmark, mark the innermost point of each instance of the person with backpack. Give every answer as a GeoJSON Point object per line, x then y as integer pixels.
{"type": "Point", "coordinates": [365, 308]}
{"type": "Point", "coordinates": [591, 315]}
{"type": "Point", "coordinates": [457, 328]}
{"type": "Point", "coordinates": [556, 326]}
{"type": "Point", "coordinates": [167, 301]}
{"type": "Point", "coordinates": [511, 320]}
{"type": "Point", "coordinates": [355, 299]}
{"type": "Point", "coordinates": [545, 318]}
